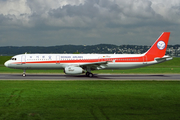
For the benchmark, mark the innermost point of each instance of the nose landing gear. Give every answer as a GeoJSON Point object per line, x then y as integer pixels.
{"type": "Point", "coordinates": [24, 73]}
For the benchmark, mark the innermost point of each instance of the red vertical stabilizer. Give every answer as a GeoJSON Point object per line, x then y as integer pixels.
{"type": "Point", "coordinates": [158, 49]}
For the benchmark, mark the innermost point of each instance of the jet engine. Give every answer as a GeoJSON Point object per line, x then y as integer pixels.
{"type": "Point", "coordinates": [71, 70]}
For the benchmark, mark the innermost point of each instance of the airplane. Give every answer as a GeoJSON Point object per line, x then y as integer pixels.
{"type": "Point", "coordinates": [74, 64]}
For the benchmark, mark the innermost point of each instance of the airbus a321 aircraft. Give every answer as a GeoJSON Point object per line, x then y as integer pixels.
{"type": "Point", "coordinates": [73, 64]}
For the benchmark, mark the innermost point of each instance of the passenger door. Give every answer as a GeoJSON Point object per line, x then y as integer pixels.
{"type": "Point", "coordinates": [23, 59]}
{"type": "Point", "coordinates": [145, 59]}
{"type": "Point", "coordinates": [57, 59]}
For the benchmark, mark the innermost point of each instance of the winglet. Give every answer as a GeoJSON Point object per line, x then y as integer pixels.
{"type": "Point", "coordinates": [158, 49]}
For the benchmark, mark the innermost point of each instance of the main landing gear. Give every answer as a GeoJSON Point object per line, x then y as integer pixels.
{"type": "Point", "coordinates": [24, 73]}
{"type": "Point", "coordinates": [89, 74]}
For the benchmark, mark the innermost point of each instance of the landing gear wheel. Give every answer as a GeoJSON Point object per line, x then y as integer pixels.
{"type": "Point", "coordinates": [24, 74]}
{"type": "Point", "coordinates": [90, 75]}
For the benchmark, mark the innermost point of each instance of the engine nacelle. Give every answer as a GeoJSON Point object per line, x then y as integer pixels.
{"type": "Point", "coordinates": [71, 70]}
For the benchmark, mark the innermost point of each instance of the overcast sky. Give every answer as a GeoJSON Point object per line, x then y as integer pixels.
{"type": "Point", "coordinates": [87, 22]}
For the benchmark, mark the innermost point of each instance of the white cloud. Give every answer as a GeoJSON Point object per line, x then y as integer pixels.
{"type": "Point", "coordinates": [68, 12]}
{"type": "Point", "coordinates": [16, 10]}
{"type": "Point", "coordinates": [88, 21]}
{"type": "Point", "coordinates": [14, 7]}
{"type": "Point", "coordinates": [169, 10]}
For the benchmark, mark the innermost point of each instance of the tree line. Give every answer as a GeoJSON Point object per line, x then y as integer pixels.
{"type": "Point", "coordinates": [100, 48]}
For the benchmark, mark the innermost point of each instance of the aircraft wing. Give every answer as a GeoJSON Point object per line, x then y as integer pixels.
{"type": "Point", "coordinates": [95, 65]}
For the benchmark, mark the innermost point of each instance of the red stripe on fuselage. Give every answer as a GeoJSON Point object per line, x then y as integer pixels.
{"type": "Point", "coordinates": [128, 59]}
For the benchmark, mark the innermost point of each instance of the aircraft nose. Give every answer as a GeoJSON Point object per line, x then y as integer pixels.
{"type": "Point", "coordinates": [6, 63]}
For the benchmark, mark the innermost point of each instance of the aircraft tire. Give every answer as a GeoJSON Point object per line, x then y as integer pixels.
{"type": "Point", "coordinates": [24, 75]}
{"type": "Point", "coordinates": [90, 75]}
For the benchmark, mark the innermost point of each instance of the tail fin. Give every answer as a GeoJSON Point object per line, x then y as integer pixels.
{"type": "Point", "coordinates": [158, 49]}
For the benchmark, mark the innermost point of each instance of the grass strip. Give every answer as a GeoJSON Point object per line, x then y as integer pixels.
{"type": "Point", "coordinates": [77, 100]}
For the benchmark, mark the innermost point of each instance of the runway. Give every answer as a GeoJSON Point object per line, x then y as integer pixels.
{"type": "Point", "coordinates": [115, 77]}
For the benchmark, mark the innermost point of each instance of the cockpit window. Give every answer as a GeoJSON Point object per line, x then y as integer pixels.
{"type": "Point", "coordinates": [13, 58]}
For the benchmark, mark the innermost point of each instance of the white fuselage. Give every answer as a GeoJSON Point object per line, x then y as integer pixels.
{"type": "Point", "coordinates": [60, 61]}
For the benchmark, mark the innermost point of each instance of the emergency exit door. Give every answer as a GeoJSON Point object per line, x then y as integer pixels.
{"type": "Point", "coordinates": [57, 59]}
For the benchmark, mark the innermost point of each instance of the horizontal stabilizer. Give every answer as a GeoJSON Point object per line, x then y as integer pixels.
{"type": "Point", "coordinates": [165, 58]}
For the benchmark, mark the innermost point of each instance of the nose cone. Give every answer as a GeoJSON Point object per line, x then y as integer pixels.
{"type": "Point", "coordinates": [6, 63]}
